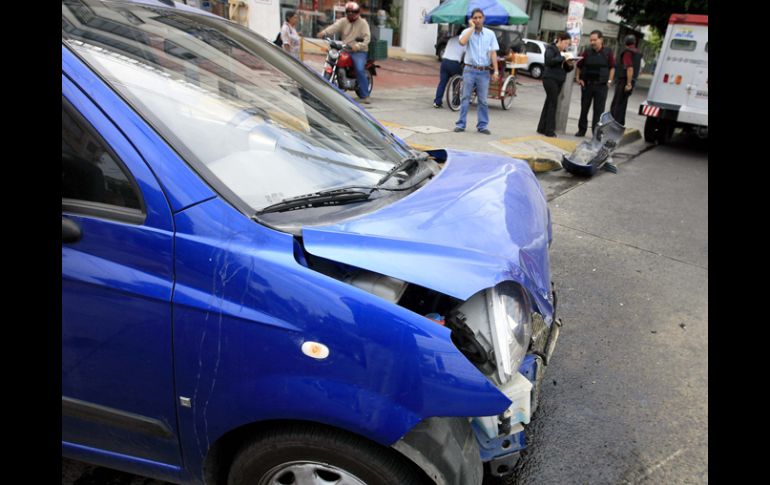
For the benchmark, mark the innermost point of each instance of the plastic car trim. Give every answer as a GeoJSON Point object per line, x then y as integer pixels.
{"type": "Point", "coordinates": [114, 417]}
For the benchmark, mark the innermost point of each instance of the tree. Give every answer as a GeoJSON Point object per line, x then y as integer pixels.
{"type": "Point", "coordinates": [656, 13]}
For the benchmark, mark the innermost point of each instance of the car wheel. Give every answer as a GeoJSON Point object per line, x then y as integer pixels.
{"type": "Point", "coordinates": [536, 71]}
{"type": "Point", "coordinates": [315, 455]}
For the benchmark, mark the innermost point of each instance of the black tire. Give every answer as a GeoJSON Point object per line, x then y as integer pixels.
{"type": "Point", "coordinates": [289, 454]}
{"type": "Point", "coordinates": [651, 126]}
{"type": "Point", "coordinates": [370, 78]}
{"type": "Point", "coordinates": [508, 92]}
{"type": "Point", "coordinates": [454, 92]}
{"type": "Point", "coordinates": [536, 71]}
{"type": "Point", "coordinates": [658, 131]}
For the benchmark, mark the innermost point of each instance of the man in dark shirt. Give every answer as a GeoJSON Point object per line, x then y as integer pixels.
{"type": "Point", "coordinates": [630, 65]}
{"type": "Point", "coordinates": [595, 72]}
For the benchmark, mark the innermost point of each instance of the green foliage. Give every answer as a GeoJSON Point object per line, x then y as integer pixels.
{"type": "Point", "coordinates": [656, 13]}
{"type": "Point", "coordinates": [394, 17]}
{"type": "Point", "coordinates": [655, 41]}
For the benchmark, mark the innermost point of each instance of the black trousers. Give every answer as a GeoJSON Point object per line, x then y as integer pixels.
{"type": "Point", "coordinates": [595, 92]}
{"type": "Point", "coordinates": [547, 123]}
{"type": "Point", "coordinates": [620, 101]}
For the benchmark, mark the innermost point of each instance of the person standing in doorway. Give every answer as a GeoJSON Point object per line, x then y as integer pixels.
{"type": "Point", "coordinates": [630, 65]}
{"type": "Point", "coordinates": [480, 58]}
{"type": "Point", "coordinates": [289, 35]}
{"type": "Point", "coordinates": [451, 64]}
{"type": "Point", "coordinates": [556, 69]}
{"type": "Point", "coordinates": [353, 27]}
{"type": "Point", "coordinates": [595, 72]}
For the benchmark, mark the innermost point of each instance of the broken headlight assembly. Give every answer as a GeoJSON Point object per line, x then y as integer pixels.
{"type": "Point", "coordinates": [493, 329]}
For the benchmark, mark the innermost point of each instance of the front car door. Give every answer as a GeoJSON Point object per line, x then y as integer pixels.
{"type": "Point", "coordinates": [118, 404]}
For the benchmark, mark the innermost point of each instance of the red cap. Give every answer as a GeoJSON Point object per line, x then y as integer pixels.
{"type": "Point", "coordinates": [685, 18]}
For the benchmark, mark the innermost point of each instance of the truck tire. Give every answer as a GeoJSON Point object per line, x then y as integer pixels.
{"type": "Point", "coordinates": [312, 455]}
{"type": "Point", "coordinates": [651, 126]}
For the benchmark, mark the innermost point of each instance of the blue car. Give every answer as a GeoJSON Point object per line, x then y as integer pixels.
{"type": "Point", "coordinates": [261, 284]}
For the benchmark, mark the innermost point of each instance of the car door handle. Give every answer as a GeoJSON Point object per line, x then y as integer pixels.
{"type": "Point", "coordinates": [70, 231]}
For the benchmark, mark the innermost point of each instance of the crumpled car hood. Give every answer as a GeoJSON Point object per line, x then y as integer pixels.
{"type": "Point", "coordinates": [484, 219]}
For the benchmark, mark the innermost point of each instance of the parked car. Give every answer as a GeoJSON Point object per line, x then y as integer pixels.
{"type": "Point", "coordinates": [535, 50]}
{"type": "Point", "coordinates": [262, 284]}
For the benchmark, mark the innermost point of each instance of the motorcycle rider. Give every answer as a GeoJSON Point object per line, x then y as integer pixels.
{"type": "Point", "coordinates": [352, 26]}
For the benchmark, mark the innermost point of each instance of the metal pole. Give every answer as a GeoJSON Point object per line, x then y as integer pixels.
{"type": "Point", "coordinates": [574, 29]}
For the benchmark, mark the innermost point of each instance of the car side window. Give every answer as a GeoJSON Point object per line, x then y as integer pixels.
{"type": "Point", "coordinates": [533, 48]}
{"type": "Point", "coordinates": [94, 180]}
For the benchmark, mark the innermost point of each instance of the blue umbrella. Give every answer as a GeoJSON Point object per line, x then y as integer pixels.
{"type": "Point", "coordinates": [496, 12]}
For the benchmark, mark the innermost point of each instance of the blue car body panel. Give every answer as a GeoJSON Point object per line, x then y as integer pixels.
{"type": "Point", "coordinates": [243, 306]}
{"type": "Point", "coordinates": [460, 234]}
{"type": "Point", "coordinates": [117, 283]}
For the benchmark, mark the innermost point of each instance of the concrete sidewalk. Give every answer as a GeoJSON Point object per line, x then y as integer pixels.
{"type": "Point", "coordinates": [402, 101]}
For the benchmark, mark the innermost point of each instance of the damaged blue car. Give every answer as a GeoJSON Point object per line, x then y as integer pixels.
{"type": "Point", "coordinates": [261, 284]}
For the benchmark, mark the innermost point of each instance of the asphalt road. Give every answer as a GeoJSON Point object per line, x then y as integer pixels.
{"type": "Point", "coordinates": [626, 399]}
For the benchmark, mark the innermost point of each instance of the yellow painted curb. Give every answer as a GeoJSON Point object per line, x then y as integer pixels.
{"type": "Point", "coordinates": [566, 145]}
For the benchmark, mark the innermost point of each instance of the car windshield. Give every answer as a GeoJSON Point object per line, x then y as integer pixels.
{"type": "Point", "coordinates": [254, 122]}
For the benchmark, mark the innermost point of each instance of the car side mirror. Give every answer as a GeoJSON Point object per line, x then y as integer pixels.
{"type": "Point", "coordinates": [70, 231]}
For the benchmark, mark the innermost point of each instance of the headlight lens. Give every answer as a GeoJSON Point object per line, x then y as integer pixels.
{"type": "Point", "coordinates": [512, 326]}
{"type": "Point", "coordinates": [333, 54]}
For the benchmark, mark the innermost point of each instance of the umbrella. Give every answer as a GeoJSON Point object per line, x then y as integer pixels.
{"type": "Point", "coordinates": [496, 12]}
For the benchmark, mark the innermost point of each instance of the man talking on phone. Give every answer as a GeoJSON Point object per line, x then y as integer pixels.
{"type": "Point", "coordinates": [480, 59]}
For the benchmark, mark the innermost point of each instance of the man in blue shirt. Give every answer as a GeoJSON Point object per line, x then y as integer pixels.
{"type": "Point", "coordinates": [480, 58]}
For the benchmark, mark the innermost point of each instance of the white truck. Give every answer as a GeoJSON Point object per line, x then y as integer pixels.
{"type": "Point", "coordinates": [679, 95]}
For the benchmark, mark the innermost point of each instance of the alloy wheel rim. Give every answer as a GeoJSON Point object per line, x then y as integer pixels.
{"type": "Point", "coordinates": [308, 473]}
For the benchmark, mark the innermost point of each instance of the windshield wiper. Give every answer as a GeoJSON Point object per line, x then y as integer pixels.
{"type": "Point", "coordinates": [404, 165]}
{"type": "Point", "coordinates": [343, 195]}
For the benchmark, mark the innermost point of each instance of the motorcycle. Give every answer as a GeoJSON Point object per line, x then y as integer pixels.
{"type": "Point", "coordinates": [339, 69]}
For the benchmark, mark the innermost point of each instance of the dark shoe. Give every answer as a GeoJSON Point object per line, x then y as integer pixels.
{"type": "Point", "coordinates": [541, 132]}
{"type": "Point", "coordinates": [551, 135]}
{"type": "Point", "coordinates": [458, 129]}
{"type": "Point", "coordinates": [485, 131]}
{"type": "Point", "coordinates": [580, 133]}
{"type": "Point", "coordinates": [365, 101]}
{"type": "Point", "coordinates": [436, 105]}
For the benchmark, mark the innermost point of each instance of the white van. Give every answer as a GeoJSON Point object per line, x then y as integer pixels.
{"type": "Point", "coordinates": [679, 95]}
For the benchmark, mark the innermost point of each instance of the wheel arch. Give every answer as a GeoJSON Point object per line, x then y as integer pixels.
{"type": "Point", "coordinates": [223, 451]}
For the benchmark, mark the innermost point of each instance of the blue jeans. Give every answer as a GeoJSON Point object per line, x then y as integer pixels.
{"type": "Point", "coordinates": [359, 62]}
{"type": "Point", "coordinates": [448, 69]}
{"type": "Point", "coordinates": [480, 80]}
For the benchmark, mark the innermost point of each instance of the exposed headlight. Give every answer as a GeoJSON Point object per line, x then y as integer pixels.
{"type": "Point", "coordinates": [333, 54]}
{"type": "Point", "coordinates": [511, 323]}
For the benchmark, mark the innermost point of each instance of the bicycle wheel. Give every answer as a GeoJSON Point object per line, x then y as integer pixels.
{"type": "Point", "coordinates": [454, 92]}
{"type": "Point", "coordinates": [508, 92]}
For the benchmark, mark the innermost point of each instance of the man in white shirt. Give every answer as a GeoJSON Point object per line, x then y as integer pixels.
{"type": "Point", "coordinates": [480, 58]}
{"type": "Point", "coordinates": [451, 64]}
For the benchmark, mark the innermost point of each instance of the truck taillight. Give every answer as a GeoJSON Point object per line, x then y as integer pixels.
{"type": "Point", "coordinates": [665, 78]}
{"type": "Point", "coordinates": [678, 80]}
